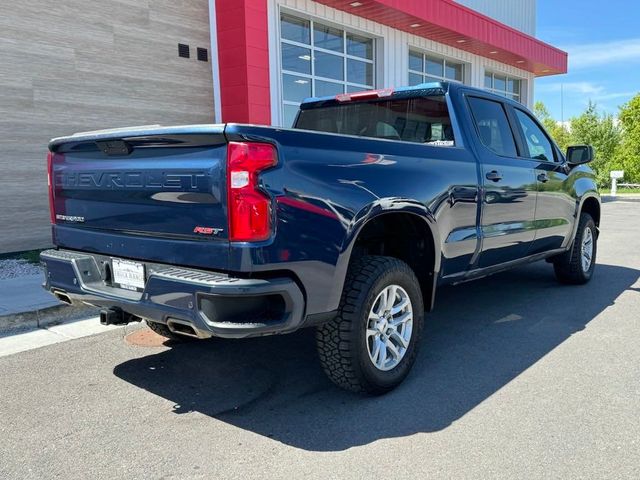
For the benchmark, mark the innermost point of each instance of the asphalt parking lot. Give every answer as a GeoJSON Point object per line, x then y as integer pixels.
{"type": "Point", "coordinates": [518, 377]}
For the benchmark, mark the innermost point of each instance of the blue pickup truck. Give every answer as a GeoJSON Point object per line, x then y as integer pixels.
{"type": "Point", "coordinates": [347, 222]}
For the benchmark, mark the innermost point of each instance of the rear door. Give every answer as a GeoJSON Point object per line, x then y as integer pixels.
{"type": "Point", "coordinates": [555, 205]}
{"type": "Point", "coordinates": [509, 186]}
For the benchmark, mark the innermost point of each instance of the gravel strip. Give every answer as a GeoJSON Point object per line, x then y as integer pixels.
{"type": "Point", "coordinates": [12, 268]}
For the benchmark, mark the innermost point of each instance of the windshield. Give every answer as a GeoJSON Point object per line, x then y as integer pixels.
{"type": "Point", "coordinates": [420, 120]}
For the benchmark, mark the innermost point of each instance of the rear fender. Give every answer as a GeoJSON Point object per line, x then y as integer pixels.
{"type": "Point", "coordinates": [384, 206]}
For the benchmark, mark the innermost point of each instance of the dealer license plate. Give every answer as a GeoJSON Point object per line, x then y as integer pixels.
{"type": "Point", "coordinates": [129, 275]}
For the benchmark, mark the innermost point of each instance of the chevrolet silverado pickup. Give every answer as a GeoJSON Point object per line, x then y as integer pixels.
{"type": "Point", "coordinates": [347, 222]}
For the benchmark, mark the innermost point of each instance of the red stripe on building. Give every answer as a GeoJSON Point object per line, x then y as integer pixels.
{"type": "Point", "coordinates": [243, 61]}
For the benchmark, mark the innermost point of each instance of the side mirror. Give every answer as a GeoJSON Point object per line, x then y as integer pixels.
{"type": "Point", "coordinates": [579, 154]}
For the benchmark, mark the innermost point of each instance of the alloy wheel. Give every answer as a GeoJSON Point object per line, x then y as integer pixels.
{"type": "Point", "coordinates": [389, 327]}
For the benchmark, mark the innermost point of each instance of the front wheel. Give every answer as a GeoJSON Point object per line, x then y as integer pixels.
{"type": "Point", "coordinates": [371, 345]}
{"type": "Point", "coordinates": [576, 266]}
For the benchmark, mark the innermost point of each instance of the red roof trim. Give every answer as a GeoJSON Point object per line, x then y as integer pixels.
{"type": "Point", "coordinates": [448, 22]}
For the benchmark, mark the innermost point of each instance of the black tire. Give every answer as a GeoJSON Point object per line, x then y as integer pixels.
{"type": "Point", "coordinates": [568, 266]}
{"type": "Point", "coordinates": [163, 330]}
{"type": "Point", "coordinates": [342, 342]}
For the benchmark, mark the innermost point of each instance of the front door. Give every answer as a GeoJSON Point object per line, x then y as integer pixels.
{"type": "Point", "coordinates": [509, 187]}
{"type": "Point", "coordinates": [556, 206]}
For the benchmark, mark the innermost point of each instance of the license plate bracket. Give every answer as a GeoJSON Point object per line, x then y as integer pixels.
{"type": "Point", "coordinates": [128, 275]}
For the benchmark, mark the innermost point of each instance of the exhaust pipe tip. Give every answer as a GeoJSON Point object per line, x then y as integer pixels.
{"type": "Point", "coordinates": [185, 328]}
{"type": "Point", "coordinates": [63, 297]}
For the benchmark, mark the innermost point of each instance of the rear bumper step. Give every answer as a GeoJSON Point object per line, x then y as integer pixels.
{"type": "Point", "coordinates": [190, 302]}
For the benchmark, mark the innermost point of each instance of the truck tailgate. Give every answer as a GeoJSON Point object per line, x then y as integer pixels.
{"type": "Point", "coordinates": [125, 192]}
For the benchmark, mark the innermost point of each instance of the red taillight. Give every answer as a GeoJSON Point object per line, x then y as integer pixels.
{"type": "Point", "coordinates": [52, 210]}
{"type": "Point", "coordinates": [249, 208]}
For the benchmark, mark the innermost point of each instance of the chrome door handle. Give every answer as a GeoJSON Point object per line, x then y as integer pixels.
{"type": "Point", "coordinates": [494, 176]}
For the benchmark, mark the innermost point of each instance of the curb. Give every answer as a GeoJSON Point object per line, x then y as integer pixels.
{"type": "Point", "coordinates": [44, 317]}
{"type": "Point", "coordinates": [621, 198]}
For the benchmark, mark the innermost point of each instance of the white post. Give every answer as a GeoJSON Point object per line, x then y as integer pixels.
{"type": "Point", "coordinates": [615, 175]}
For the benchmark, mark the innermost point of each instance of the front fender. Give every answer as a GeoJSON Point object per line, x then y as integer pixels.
{"type": "Point", "coordinates": [579, 207]}
{"type": "Point", "coordinates": [585, 187]}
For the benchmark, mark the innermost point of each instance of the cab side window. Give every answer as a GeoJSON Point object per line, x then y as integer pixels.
{"type": "Point", "coordinates": [492, 126]}
{"type": "Point", "coordinates": [538, 143]}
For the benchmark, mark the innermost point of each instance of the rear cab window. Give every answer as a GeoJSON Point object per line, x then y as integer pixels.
{"type": "Point", "coordinates": [422, 119]}
{"type": "Point", "coordinates": [492, 126]}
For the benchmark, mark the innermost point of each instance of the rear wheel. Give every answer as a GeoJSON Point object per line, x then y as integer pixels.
{"type": "Point", "coordinates": [371, 345]}
{"type": "Point", "coordinates": [576, 266]}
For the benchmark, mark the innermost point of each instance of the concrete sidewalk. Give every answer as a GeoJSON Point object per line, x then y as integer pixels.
{"type": "Point", "coordinates": [24, 304]}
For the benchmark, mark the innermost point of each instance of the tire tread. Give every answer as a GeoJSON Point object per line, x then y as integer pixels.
{"type": "Point", "coordinates": [334, 338]}
{"type": "Point", "coordinates": [567, 267]}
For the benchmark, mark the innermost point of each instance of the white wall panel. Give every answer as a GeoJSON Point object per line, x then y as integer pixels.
{"type": "Point", "coordinates": [392, 50]}
{"type": "Point", "coordinates": [519, 14]}
{"type": "Point", "coordinates": [76, 65]}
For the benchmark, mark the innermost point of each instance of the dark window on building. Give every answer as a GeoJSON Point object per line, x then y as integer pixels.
{"type": "Point", "coordinates": [493, 127]}
{"type": "Point", "coordinates": [427, 68]}
{"type": "Point", "coordinates": [320, 60]}
{"type": "Point", "coordinates": [203, 54]}
{"type": "Point", "coordinates": [504, 86]}
{"type": "Point", "coordinates": [183, 50]}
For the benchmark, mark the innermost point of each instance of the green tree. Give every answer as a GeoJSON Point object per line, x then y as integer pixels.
{"type": "Point", "coordinates": [558, 131]}
{"type": "Point", "coordinates": [604, 134]}
{"type": "Point", "coordinates": [627, 156]}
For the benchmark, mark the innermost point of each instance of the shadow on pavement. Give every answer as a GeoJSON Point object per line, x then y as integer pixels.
{"type": "Point", "coordinates": [481, 336]}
